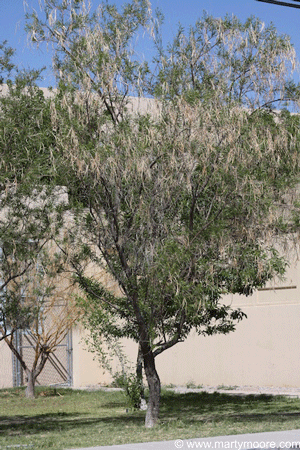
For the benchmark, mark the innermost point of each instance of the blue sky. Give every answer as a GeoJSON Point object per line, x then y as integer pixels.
{"type": "Point", "coordinates": [286, 20]}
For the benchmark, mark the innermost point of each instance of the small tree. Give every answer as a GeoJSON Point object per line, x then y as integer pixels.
{"type": "Point", "coordinates": [31, 216]}
{"type": "Point", "coordinates": [181, 197]}
{"type": "Point", "coordinates": [51, 304]}
{"type": "Point", "coordinates": [28, 211]}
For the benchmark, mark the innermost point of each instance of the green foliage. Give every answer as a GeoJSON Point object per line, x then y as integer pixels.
{"type": "Point", "coordinates": [26, 138]}
{"type": "Point", "coordinates": [31, 203]}
{"type": "Point", "coordinates": [6, 64]}
{"type": "Point", "coordinates": [132, 387]}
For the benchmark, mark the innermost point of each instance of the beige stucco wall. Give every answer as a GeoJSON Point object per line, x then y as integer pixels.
{"type": "Point", "coordinates": [86, 367]}
{"type": "Point", "coordinates": [264, 349]}
{"type": "Point", "coordinates": [86, 370]}
{"type": "Point", "coordinates": [6, 373]}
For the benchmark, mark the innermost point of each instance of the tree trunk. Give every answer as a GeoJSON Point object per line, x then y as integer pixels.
{"type": "Point", "coordinates": [139, 372]}
{"type": "Point", "coordinates": [149, 367]}
{"type": "Point", "coordinates": [154, 389]}
{"type": "Point", "coordinates": [29, 392]}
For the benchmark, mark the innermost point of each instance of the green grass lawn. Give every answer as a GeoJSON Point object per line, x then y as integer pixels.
{"type": "Point", "coordinates": [65, 418]}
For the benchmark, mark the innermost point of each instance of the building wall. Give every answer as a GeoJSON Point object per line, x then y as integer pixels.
{"type": "Point", "coordinates": [86, 367]}
{"type": "Point", "coordinates": [86, 370]}
{"type": "Point", "coordinates": [264, 349]}
{"type": "Point", "coordinates": [6, 371]}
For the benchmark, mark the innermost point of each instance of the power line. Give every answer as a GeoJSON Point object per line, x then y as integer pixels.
{"type": "Point", "coordinates": [277, 2]}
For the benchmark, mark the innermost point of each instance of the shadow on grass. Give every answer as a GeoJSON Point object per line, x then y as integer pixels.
{"type": "Point", "coordinates": [24, 425]}
{"type": "Point", "coordinates": [205, 402]}
{"type": "Point", "coordinates": [189, 409]}
{"type": "Point", "coordinates": [203, 407]}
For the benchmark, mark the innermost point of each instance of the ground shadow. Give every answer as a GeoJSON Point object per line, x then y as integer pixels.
{"type": "Point", "coordinates": [216, 407]}
{"type": "Point", "coordinates": [25, 425]}
{"type": "Point", "coordinates": [190, 408]}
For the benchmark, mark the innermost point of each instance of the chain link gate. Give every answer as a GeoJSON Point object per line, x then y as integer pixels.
{"type": "Point", "coordinates": [58, 369]}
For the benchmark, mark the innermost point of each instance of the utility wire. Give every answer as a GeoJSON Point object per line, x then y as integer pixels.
{"type": "Point", "coordinates": [277, 2]}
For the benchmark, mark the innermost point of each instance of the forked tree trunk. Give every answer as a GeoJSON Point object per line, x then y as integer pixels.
{"type": "Point", "coordinates": [31, 375]}
{"type": "Point", "coordinates": [154, 389]}
{"type": "Point", "coordinates": [29, 392]}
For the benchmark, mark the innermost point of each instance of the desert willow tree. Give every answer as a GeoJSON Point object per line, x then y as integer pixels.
{"type": "Point", "coordinates": [178, 175]}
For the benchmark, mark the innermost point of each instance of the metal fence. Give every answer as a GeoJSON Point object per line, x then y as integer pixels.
{"type": "Point", "coordinates": [58, 368]}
